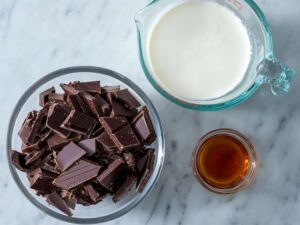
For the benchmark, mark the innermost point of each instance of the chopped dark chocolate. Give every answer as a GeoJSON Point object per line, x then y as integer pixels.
{"type": "Point", "coordinates": [125, 187]}
{"type": "Point", "coordinates": [143, 127]}
{"type": "Point", "coordinates": [125, 138]}
{"type": "Point", "coordinates": [111, 124]}
{"type": "Point", "coordinates": [18, 160]}
{"type": "Point", "coordinates": [146, 174]}
{"type": "Point", "coordinates": [44, 96]}
{"type": "Point", "coordinates": [85, 144]}
{"type": "Point", "coordinates": [69, 155]}
{"type": "Point", "coordinates": [106, 141]}
{"type": "Point", "coordinates": [57, 98]}
{"type": "Point", "coordinates": [77, 175]}
{"type": "Point", "coordinates": [126, 97]}
{"type": "Point", "coordinates": [56, 141]}
{"type": "Point", "coordinates": [113, 175]}
{"type": "Point", "coordinates": [55, 200]}
{"type": "Point", "coordinates": [92, 86]}
{"type": "Point", "coordinates": [119, 109]}
{"type": "Point", "coordinates": [89, 146]}
{"type": "Point", "coordinates": [94, 195]}
{"type": "Point", "coordinates": [79, 122]}
{"type": "Point", "coordinates": [56, 116]}
{"type": "Point", "coordinates": [110, 89]}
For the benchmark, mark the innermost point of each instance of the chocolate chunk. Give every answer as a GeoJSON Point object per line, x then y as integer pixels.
{"type": "Point", "coordinates": [72, 101]}
{"type": "Point", "coordinates": [143, 127]}
{"type": "Point", "coordinates": [33, 156]}
{"type": "Point", "coordinates": [125, 138]}
{"type": "Point", "coordinates": [106, 141]}
{"type": "Point", "coordinates": [56, 116]}
{"type": "Point", "coordinates": [36, 126]}
{"type": "Point", "coordinates": [110, 89]}
{"type": "Point", "coordinates": [56, 141]}
{"type": "Point", "coordinates": [57, 98]}
{"type": "Point", "coordinates": [126, 97]}
{"type": "Point", "coordinates": [92, 86]}
{"type": "Point", "coordinates": [77, 175]}
{"type": "Point", "coordinates": [69, 155]}
{"type": "Point", "coordinates": [27, 126]}
{"type": "Point", "coordinates": [130, 161]}
{"type": "Point", "coordinates": [51, 168]}
{"type": "Point", "coordinates": [111, 124]}
{"type": "Point", "coordinates": [97, 131]}
{"type": "Point", "coordinates": [71, 202]}
{"type": "Point", "coordinates": [94, 195]}
{"type": "Point", "coordinates": [113, 175]}
{"type": "Point", "coordinates": [44, 96]}
{"type": "Point", "coordinates": [79, 122]}
{"type": "Point", "coordinates": [30, 148]}
{"type": "Point", "coordinates": [18, 160]}
{"type": "Point", "coordinates": [96, 104]}
{"type": "Point", "coordinates": [119, 109]}
{"type": "Point", "coordinates": [146, 174]}
{"type": "Point", "coordinates": [41, 182]}
{"type": "Point", "coordinates": [55, 200]}
{"type": "Point", "coordinates": [125, 187]}
{"type": "Point", "coordinates": [89, 146]}
{"type": "Point", "coordinates": [69, 89]}
{"type": "Point", "coordinates": [141, 164]}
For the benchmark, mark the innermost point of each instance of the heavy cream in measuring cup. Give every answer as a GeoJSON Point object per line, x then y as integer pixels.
{"type": "Point", "coordinates": [198, 50]}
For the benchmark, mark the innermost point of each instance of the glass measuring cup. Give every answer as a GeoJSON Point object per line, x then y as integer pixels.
{"type": "Point", "coordinates": [263, 68]}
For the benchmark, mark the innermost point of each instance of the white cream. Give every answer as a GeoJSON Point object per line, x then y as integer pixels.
{"type": "Point", "coordinates": [199, 50]}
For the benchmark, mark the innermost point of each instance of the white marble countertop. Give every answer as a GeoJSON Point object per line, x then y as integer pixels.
{"type": "Point", "coordinates": [37, 37]}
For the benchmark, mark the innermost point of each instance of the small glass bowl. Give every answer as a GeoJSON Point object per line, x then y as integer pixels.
{"type": "Point", "coordinates": [247, 178]}
{"type": "Point", "coordinates": [105, 210]}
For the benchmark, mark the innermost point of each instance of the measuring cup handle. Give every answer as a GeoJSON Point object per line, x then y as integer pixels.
{"type": "Point", "coordinates": [278, 75]}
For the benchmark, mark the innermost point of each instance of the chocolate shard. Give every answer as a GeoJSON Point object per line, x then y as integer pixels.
{"type": "Point", "coordinates": [126, 97]}
{"type": "Point", "coordinates": [92, 86]}
{"type": "Point", "coordinates": [105, 140]}
{"type": "Point", "coordinates": [36, 126]}
{"type": "Point", "coordinates": [130, 160]}
{"type": "Point", "coordinates": [96, 104]}
{"type": "Point", "coordinates": [97, 131]}
{"type": "Point", "coordinates": [57, 98]}
{"type": "Point", "coordinates": [56, 116]}
{"type": "Point", "coordinates": [71, 202]}
{"type": "Point", "coordinates": [30, 148]}
{"type": "Point", "coordinates": [110, 89]}
{"type": "Point", "coordinates": [18, 160]}
{"type": "Point", "coordinates": [111, 124]}
{"type": "Point", "coordinates": [27, 126]}
{"type": "Point", "coordinates": [55, 141]}
{"type": "Point", "coordinates": [143, 127]}
{"type": "Point", "coordinates": [113, 175]}
{"type": "Point", "coordinates": [69, 155]}
{"type": "Point", "coordinates": [77, 175]}
{"type": "Point", "coordinates": [51, 168]}
{"type": "Point", "coordinates": [69, 89]}
{"type": "Point", "coordinates": [125, 187]}
{"type": "Point", "coordinates": [93, 194]}
{"type": "Point", "coordinates": [119, 109]}
{"type": "Point", "coordinates": [44, 96]}
{"type": "Point", "coordinates": [73, 101]}
{"type": "Point", "coordinates": [89, 146]}
{"type": "Point", "coordinates": [33, 157]}
{"type": "Point", "coordinates": [146, 174]}
{"type": "Point", "coordinates": [125, 138]}
{"type": "Point", "coordinates": [79, 122]}
{"type": "Point", "coordinates": [55, 200]}
{"type": "Point", "coordinates": [42, 182]}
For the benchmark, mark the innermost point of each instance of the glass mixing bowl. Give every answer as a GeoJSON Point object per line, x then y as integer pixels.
{"type": "Point", "coordinates": [105, 210]}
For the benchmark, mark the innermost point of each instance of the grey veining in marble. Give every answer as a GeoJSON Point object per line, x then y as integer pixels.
{"type": "Point", "coordinates": [39, 36]}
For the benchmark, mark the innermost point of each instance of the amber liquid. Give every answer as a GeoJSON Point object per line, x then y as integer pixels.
{"type": "Point", "coordinates": [222, 161]}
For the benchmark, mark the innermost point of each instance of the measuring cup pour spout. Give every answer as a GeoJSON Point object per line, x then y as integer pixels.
{"type": "Point", "coordinates": [278, 75]}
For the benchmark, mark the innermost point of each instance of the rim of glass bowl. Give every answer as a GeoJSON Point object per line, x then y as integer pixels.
{"type": "Point", "coordinates": [156, 121]}
{"type": "Point", "coordinates": [219, 106]}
